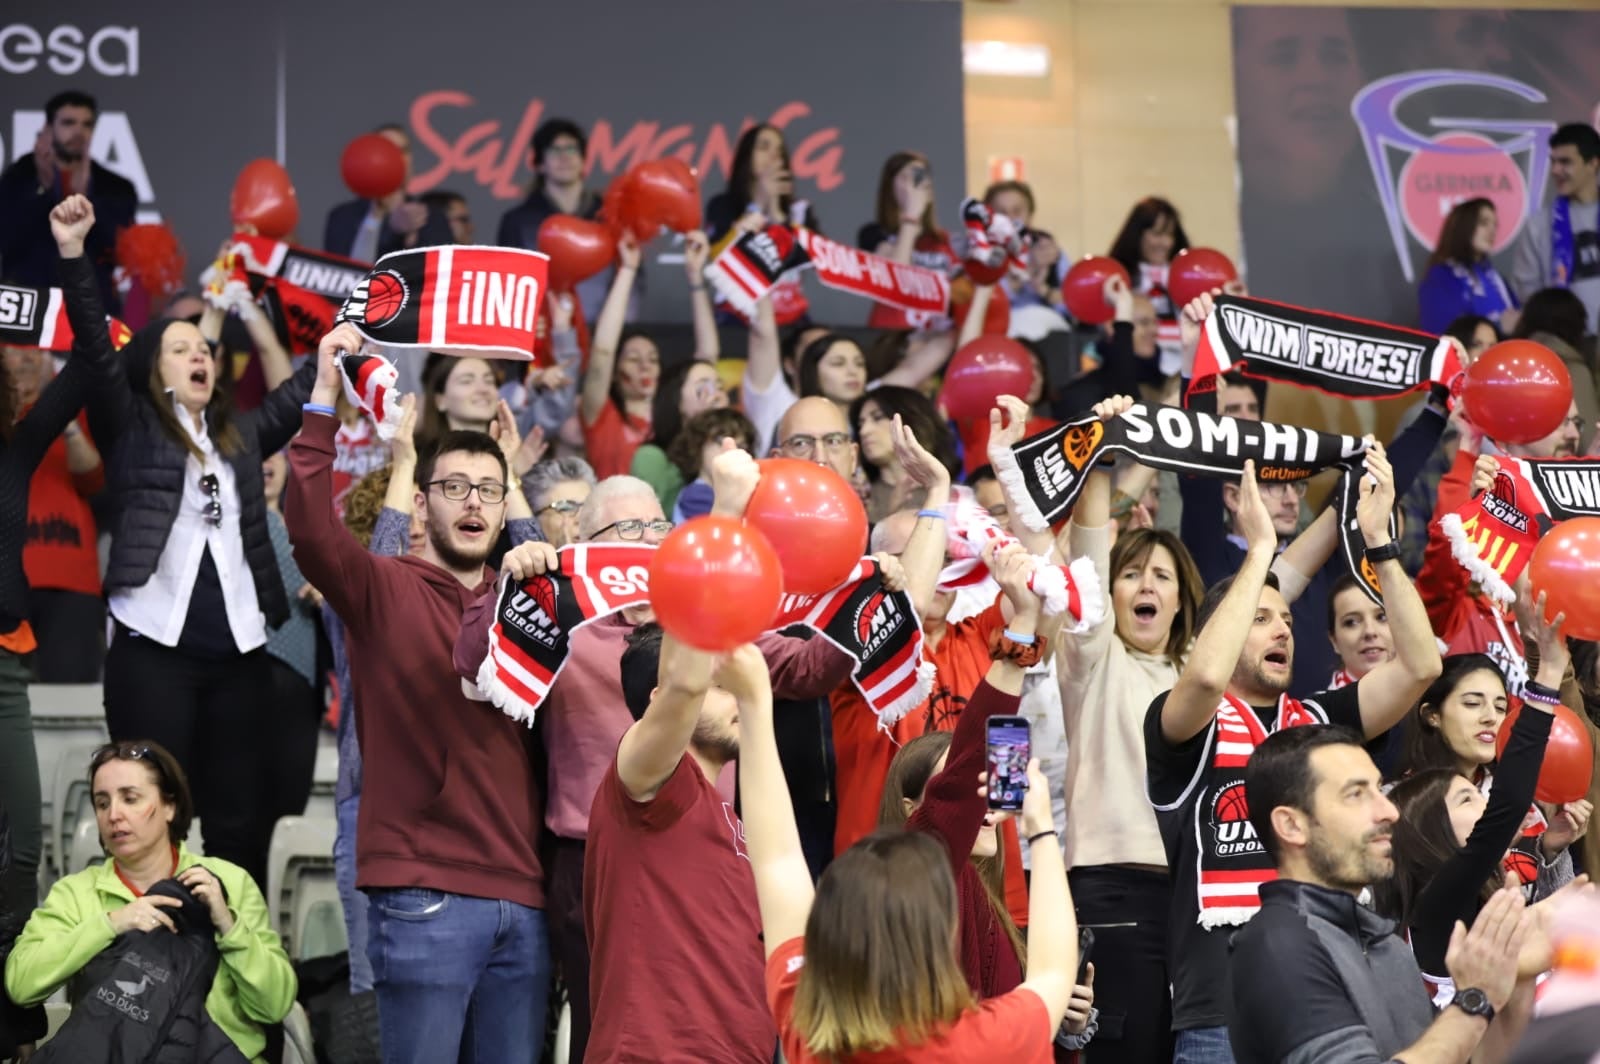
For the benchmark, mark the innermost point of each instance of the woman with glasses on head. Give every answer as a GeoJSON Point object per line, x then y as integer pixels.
{"type": "Point", "coordinates": [143, 810]}
{"type": "Point", "coordinates": [193, 582]}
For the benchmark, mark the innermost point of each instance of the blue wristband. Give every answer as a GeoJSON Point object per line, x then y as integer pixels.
{"type": "Point", "coordinates": [937, 515]}
{"type": "Point", "coordinates": [1021, 640]}
{"type": "Point", "coordinates": [318, 408]}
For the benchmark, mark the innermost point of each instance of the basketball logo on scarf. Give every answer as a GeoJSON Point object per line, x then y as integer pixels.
{"type": "Point", "coordinates": [457, 300]}
{"type": "Point", "coordinates": [1230, 822]}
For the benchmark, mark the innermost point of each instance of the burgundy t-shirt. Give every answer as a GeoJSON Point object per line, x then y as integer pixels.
{"type": "Point", "coordinates": [669, 905]}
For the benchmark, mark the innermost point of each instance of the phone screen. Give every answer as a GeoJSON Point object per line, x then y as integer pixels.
{"type": "Point", "coordinates": [1010, 745]}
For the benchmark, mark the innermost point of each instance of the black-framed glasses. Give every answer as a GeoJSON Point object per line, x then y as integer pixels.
{"type": "Point", "coordinates": [213, 509]}
{"type": "Point", "coordinates": [803, 446]}
{"type": "Point", "coordinates": [489, 492]}
{"type": "Point", "coordinates": [564, 507]}
{"type": "Point", "coordinates": [632, 528]}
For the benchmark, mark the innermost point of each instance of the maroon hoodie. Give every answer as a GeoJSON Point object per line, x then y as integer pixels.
{"type": "Point", "coordinates": [449, 799]}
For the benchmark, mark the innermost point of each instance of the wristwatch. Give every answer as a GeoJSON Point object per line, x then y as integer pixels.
{"type": "Point", "coordinates": [1388, 551]}
{"type": "Point", "coordinates": [1474, 1002]}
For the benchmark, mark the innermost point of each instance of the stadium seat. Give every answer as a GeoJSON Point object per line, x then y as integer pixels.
{"type": "Point", "coordinates": [325, 778]}
{"type": "Point", "coordinates": [297, 1047]}
{"type": "Point", "coordinates": [64, 716]}
{"type": "Point", "coordinates": [86, 849]}
{"type": "Point", "coordinates": [70, 799]}
{"type": "Point", "coordinates": [55, 1014]}
{"type": "Point", "coordinates": [300, 884]}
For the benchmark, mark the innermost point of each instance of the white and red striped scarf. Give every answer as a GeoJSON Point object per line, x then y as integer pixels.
{"type": "Point", "coordinates": [534, 622]}
{"type": "Point", "coordinates": [1231, 864]}
{"type": "Point", "coordinates": [1340, 678]}
{"type": "Point", "coordinates": [1074, 588]}
{"type": "Point", "coordinates": [993, 239]}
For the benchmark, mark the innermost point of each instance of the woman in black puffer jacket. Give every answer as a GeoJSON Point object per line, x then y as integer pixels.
{"type": "Point", "coordinates": [193, 583]}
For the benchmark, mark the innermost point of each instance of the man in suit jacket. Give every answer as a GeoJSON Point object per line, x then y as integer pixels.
{"type": "Point", "coordinates": [366, 230]}
{"type": "Point", "coordinates": [59, 166]}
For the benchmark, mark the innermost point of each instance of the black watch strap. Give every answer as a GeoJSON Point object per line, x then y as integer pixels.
{"type": "Point", "coordinates": [1387, 552]}
{"type": "Point", "coordinates": [1473, 1002]}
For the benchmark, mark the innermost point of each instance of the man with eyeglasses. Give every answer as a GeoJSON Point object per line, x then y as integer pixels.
{"type": "Point", "coordinates": [585, 715]}
{"type": "Point", "coordinates": [815, 430]}
{"type": "Point", "coordinates": [450, 817]}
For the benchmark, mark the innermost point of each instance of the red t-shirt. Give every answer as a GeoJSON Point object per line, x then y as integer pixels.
{"type": "Point", "coordinates": [612, 439]}
{"type": "Point", "coordinates": [1013, 1027]}
{"type": "Point", "coordinates": [357, 451]}
{"type": "Point", "coordinates": [60, 552]}
{"type": "Point", "coordinates": [669, 906]}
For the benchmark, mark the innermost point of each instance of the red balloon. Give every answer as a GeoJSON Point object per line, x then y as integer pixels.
{"type": "Point", "coordinates": [984, 369]}
{"type": "Point", "coordinates": [620, 212]}
{"type": "Point", "coordinates": [1566, 567]}
{"type": "Point", "coordinates": [263, 196]}
{"type": "Point", "coordinates": [1568, 765]}
{"type": "Point", "coordinates": [715, 583]}
{"type": "Point", "coordinates": [578, 248]}
{"type": "Point", "coordinates": [1197, 271]}
{"type": "Point", "coordinates": [983, 273]}
{"type": "Point", "coordinates": [373, 166]}
{"type": "Point", "coordinates": [1083, 288]}
{"type": "Point", "coordinates": [814, 521]}
{"type": "Point", "coordinates": [666, 192]}
{"type": "Point", "coordinates": [1517, 391]}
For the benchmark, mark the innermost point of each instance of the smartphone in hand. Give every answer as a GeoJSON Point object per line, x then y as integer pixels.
{"type": "Point", "coordinates": [1010, 746]}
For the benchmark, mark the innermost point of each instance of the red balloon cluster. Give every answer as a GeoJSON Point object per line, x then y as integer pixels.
{"type": "Point", "coordinates": [372, 166]}
{"type": "Point", "coordinates": [814, 521]}
{"type": "Point", "coordinates": [578, 249]}
{"type": "Point", "coordinates": [263, 197]}
{"type": "Point", "coordinates": [1517, 391]}
{"type": "Point", "coordinates": [1568, 765]}
{"type": "Point", "coordinates": [715, 583]}
{"type": "Point", "coordinates": [652, 195]}
{"type": "Point", "coordinates": [1197, 271]}
{"type": "Point", "coordinates": [983, 370]}
{"type": "Point", "coordinates": [1083, 288]}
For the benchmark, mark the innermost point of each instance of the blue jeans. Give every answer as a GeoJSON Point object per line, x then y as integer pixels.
{"type": "Point", "coordinates": [354, 904]}
{"type": "Point", "coordinates": [458, 978]}
{"type": "Point", "coordinates": [1203, 1045]}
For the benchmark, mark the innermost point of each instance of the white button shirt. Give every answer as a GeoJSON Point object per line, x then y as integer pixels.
{"type": "Point", "coordinates": [158, 607]}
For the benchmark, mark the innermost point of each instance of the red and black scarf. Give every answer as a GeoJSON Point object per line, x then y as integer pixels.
{"type": "Point", "coordinates": [37, 317]}
{"type": "Point", "coordinates": [457, 299]}
{"type": "Point", "coordinates": [751, 266]}
{"type": "Point", "coordinates": [1231, 864]}
{"type": "Point", "coordinates": [1347, 357]}
{"type": "Point", "coordinates": [534, 622]}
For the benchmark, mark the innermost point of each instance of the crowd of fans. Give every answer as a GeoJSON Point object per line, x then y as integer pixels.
{"type": "Point", "coordinates": [1268, 818]}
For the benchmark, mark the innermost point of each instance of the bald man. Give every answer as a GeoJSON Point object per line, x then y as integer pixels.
{"type": "Point", "coordinates": [815, 430]}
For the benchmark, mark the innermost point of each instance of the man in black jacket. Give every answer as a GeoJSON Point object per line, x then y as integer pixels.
{"type": "Point", "coordinates": [1318, 978]}
{"type": "Point", "coordinates": [59, 166]}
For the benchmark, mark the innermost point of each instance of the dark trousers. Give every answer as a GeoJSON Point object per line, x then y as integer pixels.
{"type": "Point", "coordinates": [295, 719]}
{"type": "Point", "coordinates": [70, 628]}
{"type": "Point", "coordinates": [564, 910]}
{"type": "Point", "coordinates": [211, 715]}
{"type": "Point", "coordinates": [1127, 908]}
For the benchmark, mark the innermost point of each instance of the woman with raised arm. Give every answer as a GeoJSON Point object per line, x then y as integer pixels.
{"type": "Point", "coordinates": [1109, 676]}
{"type": "Point", "coordinates": [193, 582]}
{"type": "Point", "coordinates": [868, 965]}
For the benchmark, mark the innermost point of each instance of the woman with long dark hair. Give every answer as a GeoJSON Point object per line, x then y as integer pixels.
{"type": "Point", "coordinates": [761, 184]}
{"type": "Point", "coordinates": [1461, 278]}
{"type": "Point", "coordinates": [1150, 237]}
{"type": "Point", "coordinates": [193, 581]}
{"type": "Point", "coordinates": [905, 228]}
{"type": "Point", "coordinates": [871, 416]}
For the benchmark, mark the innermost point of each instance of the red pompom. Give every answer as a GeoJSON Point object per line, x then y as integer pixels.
{"type": "Point", "coordinates": [152, 256]}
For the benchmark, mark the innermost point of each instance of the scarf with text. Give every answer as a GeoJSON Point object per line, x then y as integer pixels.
{"type": "Point", "coordinates": [299, 288]}
{"type": "Point", "coordinates": [970, 528]}
{"type": "Point", "coordinates": [1044, 473]}
{"type": "Point", "coordinates": [751, 266]}
{"type": "Point", "coordinates": [1231, 864]}
{"type": "Point", "coordinates": [1345, 357]}
{"type": "Point", "coordinates": [37, 317]}
{"type": "Point", "coordinates": [534, 622]}
{"type": "Point", "coordinates": [456, 299]}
